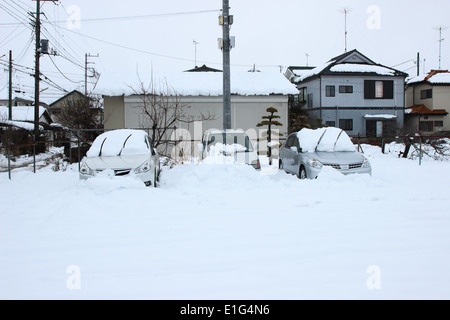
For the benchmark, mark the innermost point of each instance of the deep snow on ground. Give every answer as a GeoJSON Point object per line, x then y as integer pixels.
{"type": "Point", "coordinates": [228, 232]}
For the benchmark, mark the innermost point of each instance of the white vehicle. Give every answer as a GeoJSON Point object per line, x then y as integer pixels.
{"type": "Point", "coordinates": [228, 146]}
{"type": "Point", "coordinates": [123, 152]}
{"type": "Point", "coordinates": [307, 151]}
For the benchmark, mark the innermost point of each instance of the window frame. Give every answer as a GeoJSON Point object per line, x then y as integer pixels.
{"type": "Point", "coordinates": [330, 91]}
{"type": "Point", "coordinates": [346, 89]}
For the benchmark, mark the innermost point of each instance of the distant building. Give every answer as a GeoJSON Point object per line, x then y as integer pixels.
{"type": "Point", "coordinates": [251, 94]}
{"type": "Point", "coordinates": [68, 100]}
{"type": "Point", "coordinates": [428, 102]}
{"type": "Point", "coordinates": [354, 93]}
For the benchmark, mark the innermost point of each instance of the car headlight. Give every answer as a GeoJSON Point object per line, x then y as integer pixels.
{"type": "Point", "coordinates": [315, 163]}
{"type": "Point", "coordinates": [366, 163]}
{"type": "Point", "coordinates": [143, 167]}
{"type": "Point", "coordinates": [84, 169]}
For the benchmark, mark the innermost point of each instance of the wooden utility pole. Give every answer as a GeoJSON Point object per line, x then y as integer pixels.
{"type": "Point", "coordinates": [10, 86]}
{"type": "Point", "coordinates": [36, 69]}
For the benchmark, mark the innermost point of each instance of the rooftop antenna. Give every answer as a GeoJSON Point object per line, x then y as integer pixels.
{"type": "Point", "coordinates": [346, 11]}
{"type": "Point", "coordinates": [307, 60]}
{"type": "Point", "coordinates": [195, 45]}
{"type": "Point", "coordinates": [440, 28]}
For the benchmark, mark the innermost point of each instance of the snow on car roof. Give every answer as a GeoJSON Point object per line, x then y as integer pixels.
{"type": "Point", "coordinates": [324, 140]}
{"type": "Point", "coordinates": [119, 142]}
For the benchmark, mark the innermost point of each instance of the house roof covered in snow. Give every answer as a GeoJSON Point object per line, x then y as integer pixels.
{"type": "Point", "coordinates": [349, 63]}
{"type": "Point", "coordinates": [23, 113]}
{"type": "Point", "coordinates": [196, 84]}
{"type": "Point", "coordinates": [434, 77]}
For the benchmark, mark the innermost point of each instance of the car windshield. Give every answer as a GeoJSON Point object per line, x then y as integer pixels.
{"type": "Point", "coordinates": [325, 140]}
{"type": "Point", "coordinates": [239, 142]}
{"type": "Point", "coordinates": [119, 143]}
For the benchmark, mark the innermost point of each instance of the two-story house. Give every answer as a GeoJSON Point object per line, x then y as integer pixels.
{"type": "Point", "coordinates": [354, 93]}
{"type": "Point", "coordinates": [428, 102]}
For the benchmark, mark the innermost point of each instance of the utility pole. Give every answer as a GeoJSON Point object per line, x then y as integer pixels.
{"type": "Point", "coordinates": [226, 23]}
{"type": "Point", "coordinates": [10, 86]}
{"type": "Point", "coordinates": [418, 63]}
{"type": "Point", "coordinates": [37, 72]}
{"type": "Point", "coordinates": [86, 56]}
{"type": "Point", "coordinates": [36, 69]}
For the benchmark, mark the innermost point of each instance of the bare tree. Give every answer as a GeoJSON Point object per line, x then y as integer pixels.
{"type": "Point", "coordinates": [162, 109]}
{"type": "Point", "coordinates": [82, 113]}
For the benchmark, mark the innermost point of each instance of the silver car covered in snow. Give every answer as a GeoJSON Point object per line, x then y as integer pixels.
{"type": "Point", "coordinates": [122, 153]}
{"type": "Point", "coordinates": [307, 151]}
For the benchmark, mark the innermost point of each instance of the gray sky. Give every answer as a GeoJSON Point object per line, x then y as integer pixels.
{"type": "Point", "coordinates": [159, 35]}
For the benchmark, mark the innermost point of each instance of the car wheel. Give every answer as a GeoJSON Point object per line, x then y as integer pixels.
{"type": "Point", "coordinates": [302, 174]}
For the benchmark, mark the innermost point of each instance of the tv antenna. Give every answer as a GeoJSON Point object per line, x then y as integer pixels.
{"type": "Point", "coordinates": [195, 46]}
{"type": "Point", "coordinates": [346, 11]}
{"type": "Point", "coordinates": [440, 28]}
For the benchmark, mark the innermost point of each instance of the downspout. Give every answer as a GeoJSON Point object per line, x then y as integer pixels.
{"type": "Point", "coordinates": [320, 99]}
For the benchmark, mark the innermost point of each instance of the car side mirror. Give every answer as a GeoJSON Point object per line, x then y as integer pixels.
{"type": "Point", "coordinates": [294, 149]}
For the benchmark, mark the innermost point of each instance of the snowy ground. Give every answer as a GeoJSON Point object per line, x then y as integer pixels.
{"type": "Point", "coordinates": [228, 232]}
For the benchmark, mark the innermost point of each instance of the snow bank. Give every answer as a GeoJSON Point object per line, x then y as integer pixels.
{"type": "Point", "coordinates": [124, 142]}
{"type": "Point", "coordinates": [228, 233]}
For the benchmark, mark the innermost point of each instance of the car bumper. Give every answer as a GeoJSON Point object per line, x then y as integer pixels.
{"type": "Point", "coordinates": [143, 176]}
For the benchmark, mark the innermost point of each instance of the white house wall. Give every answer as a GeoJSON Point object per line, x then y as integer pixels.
{"type": "Point", "coordinates": [246, 112]}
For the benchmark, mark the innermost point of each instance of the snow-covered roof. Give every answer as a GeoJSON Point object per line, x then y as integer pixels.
{"type": "Point", "coordinates": [381, 116]}
{"type": "Point", "coordinates": [20, 124]}
{"type": "Point", "coordinates": [362, 68]}
{"type": "Point", "coordinates": [351, 62]}
{"type": "Point", "coordinates": [198, 83]}
{"type": "Point", "coordinates": [433, 77]}
{"type": "Point", "coordinates": [23, 113]}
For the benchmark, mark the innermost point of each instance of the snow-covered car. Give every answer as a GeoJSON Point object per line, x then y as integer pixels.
{"type": "Point", "coordinates": [307, 151]}
{"type": "Point", "coordinates": [122, 152]}
{"type": "Point", "coordinates": [228, 146]}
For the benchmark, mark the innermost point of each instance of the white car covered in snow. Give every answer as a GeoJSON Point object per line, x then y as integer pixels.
{"type": "Point", "coordinates": [228, 146]}
{"type": "Point", "coordinates": [122, 152]}
{"type": "Point", "coordinates": [306, 152]}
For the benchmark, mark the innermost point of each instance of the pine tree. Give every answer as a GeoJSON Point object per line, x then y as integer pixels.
{"type": "Point", "coordinates": [270, 121]}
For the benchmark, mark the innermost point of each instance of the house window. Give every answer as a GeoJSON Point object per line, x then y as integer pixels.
{"type": "Point", "coordinates": [331, 123]}
{"type": "Point", "coordinates": [345, 89]}
{"type": "Point", "coordinates": [439, 123]}
{"type": "Point", "coordinates": [302, 95]}
{"type": "Point", "coordinates": [426, 126]}
{"type": "Point", "coordinates": [330, 91]}
{"type": "Point", "coordinates": [377, 89]}
{"type": "Point", "coordinates": [310, 100]}
{"type": "Point", "coordinates": [346, 124]}
{"type": "Point", "coordinates": [426, 94]}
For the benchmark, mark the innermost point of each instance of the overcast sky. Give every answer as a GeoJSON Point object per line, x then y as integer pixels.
{"type": "Point", "coordinates": [143, 35]}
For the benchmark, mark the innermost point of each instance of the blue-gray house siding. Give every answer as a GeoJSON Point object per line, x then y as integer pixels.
{"type": "Point", "coordinates": [359, 101]}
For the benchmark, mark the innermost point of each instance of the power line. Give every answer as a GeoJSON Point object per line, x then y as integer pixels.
{"type": "Point", "coordinates": [127, 18]}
